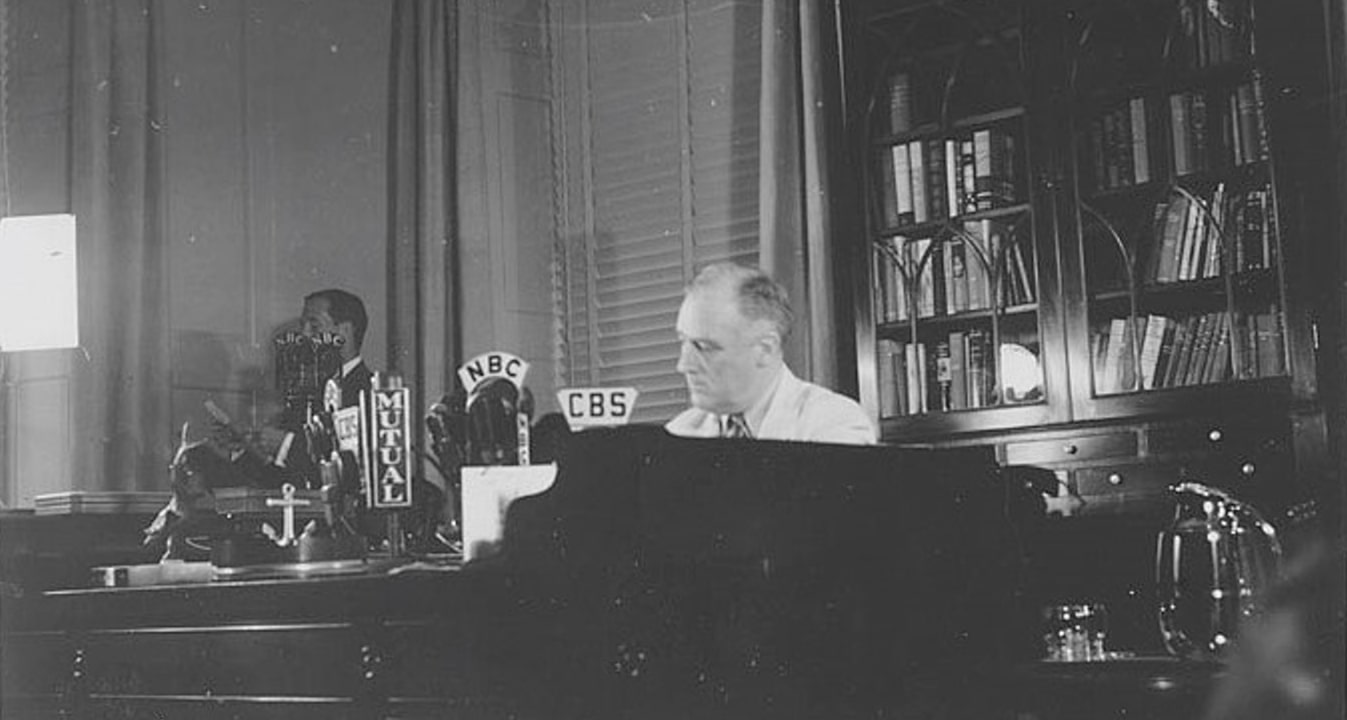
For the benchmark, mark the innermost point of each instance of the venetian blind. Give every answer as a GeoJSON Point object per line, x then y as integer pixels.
{"type": "Point", "coordinates": [670, 175]}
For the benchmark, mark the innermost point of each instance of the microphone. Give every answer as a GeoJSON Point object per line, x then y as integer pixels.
{"type": "Point", "coordinates": [526, 403]}
{"type": "Point", "coordinates": [549, 437]}
{"type": "Point", "coordinates": [522, 418]}
{"type": "Point", "coordinates": [492, 420]}
{"type": "Point", "coordinates": [444, 422]}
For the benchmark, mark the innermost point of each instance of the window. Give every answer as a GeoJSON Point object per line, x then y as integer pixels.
{"type": "Point", "coordinates": [656, 142]}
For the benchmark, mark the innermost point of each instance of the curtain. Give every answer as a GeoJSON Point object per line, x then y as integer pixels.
{"type": "Point", "coordinates": [423, 303]}
{"type": "Point", "coordinates": [795, 211]}
{"type": "Point", "coordinates": [122, 438]}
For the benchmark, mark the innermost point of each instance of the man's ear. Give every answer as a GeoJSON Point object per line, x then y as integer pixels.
{"type": "Point", "coordinates": [770, 342]}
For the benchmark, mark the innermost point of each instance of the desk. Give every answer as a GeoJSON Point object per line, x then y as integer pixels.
{"type": "Point", "coordinates": [408, 646]}
{"type": "Point", "coordinates": [1140, 688]}
{"type": "Point", "coordinates": [38, 552]}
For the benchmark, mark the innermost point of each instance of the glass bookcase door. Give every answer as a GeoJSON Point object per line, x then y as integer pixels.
{"type": "Point", "coordinates": [1175, 208]}
{"type": "Point", "coordinates": [952, 228]}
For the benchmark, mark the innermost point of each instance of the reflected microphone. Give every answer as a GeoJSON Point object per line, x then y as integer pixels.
{"type": "Point", "coordinates": [445, 423]}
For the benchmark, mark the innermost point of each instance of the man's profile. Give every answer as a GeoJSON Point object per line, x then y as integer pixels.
{"type": "Point", "coordinates": [732, 325]}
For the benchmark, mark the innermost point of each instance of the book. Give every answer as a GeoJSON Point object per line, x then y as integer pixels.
{"type": "Point", "coordinates": [980, 368]}
{"type": "Point", "coordinates": [902, 181]}
{"type": "Point", "coordinates": [1219, 366]}
{"type": "Point", "coordinates": [958, 370]}
{"type": "Point", "coordinates": [1180, 134]}
{"type": "Point", "coordinates": [1165, 355]}
{"type": "Point", "coordinates": [979, 263]}
{"type": "Point", "coordinates": [943, 388]}
{"type": "Point", "coordinates": [1171, 240]}
{"type": "Point", "coordinates": [1151, 339]}
{"type": "Point", "coordinates": [921, 209]}
{"type": "Point", "coordinates": [900, 102]}
{"type": "Point", "coordinates": [1141, 164]}
{"type": "Point", "coordinates": [1116, 358]}
{"type": "Point", "coordinates": [953, 201]}
{"type": "Point", "coordinates": [1198, 134]}
{"type": "Point", "coordinates": [888, 385]}
{"type": "Point", "coordinates": [1201, 348]}
{"type": "Point", "coordinates": [888, 192]}
{"type": "Point", "coordinates": [935, 179]}
{"type": "Point", "coordinates": [1183, 350]}
{"type": "Point", "coordinates": [956, 275]}
{"type": "Point", "coordinates": [1098, 355]}
{"type": "Point", "coordinates": [914, 360]}
{"type": "Point", "coordinates": [968, 175]}
{"type": "Point", "coordinates": [924, 377]}
{"type": "Point", "coordinates": [919, 265]}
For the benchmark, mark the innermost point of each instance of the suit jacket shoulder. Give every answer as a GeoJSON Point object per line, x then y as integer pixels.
{"type": "Point", "coordinates": [807, 412]}
{"type": "Point", "coordinates": [355, 382]}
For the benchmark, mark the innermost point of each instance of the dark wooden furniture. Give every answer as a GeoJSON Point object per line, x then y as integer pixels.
{"type": "Point", "coordinates": [659, 577]}
{"type": "Point", "coordinates": [1069, 83]}
{"type": "Point", "coordinates": [40, 552]}
{"type": "Point", "coordinates": [1138, 688]}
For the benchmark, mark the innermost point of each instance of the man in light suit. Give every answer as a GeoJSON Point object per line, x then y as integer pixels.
{"type": "Point", "coordinates": [732, 324]}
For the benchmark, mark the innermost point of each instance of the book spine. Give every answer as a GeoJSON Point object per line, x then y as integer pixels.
{"type": "Point", "coordinates": [1197, 119]}
{"type": "Point", "coordinates": [956, 271]}
{"type": "Point", "coordinates": [912, 360]}
{"type": "Point", "coordinates": [1178, 130]}
{"type": "Point", "coordinates": [888, 383]}
{"type": "Point", "coordinates": [958, 371]}
{"type": "Point", "coordinates": [952, 178]}
{"type": "Point", "coordinates": [1141, 162]}
{"type": "Point", "coordinates": [1150, 349]}
{"type": "Point", "coordinates": [900, 102]}
{"type": "Point", "coordinates": [888, 199]}
{"type": "Point", "coordinates": [935, 179]}
{"type": "Point", "coordinates": [921, 209]}
{"type": "Point", "coordinates": [902, 176]}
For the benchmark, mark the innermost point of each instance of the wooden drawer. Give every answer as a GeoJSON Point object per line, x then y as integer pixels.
{"type": "Point", "coordinates": [319, 661]}
{"type": "Point", "coordinates": [1130, 488]}
{"type": "Point", "coordinates": [1216, 437]}
{"type": "Point", "coordinates": [1072, 449]}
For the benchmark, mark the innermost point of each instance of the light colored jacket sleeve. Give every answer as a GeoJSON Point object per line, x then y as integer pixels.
{"type": "Point", "coordinates": [826, 416]}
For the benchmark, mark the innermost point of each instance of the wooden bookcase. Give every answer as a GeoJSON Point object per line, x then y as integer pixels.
{"type": "Point", "coordinates": [1154, 178]}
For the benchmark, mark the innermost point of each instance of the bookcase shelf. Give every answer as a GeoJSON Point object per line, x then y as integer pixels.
{"type": "Point", "coordinates": [1171, 182]}
{"type": "Point", "coordinates": [1131, 177]}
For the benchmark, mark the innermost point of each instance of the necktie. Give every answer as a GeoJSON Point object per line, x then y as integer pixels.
{"type": "Point", "coordinates": [734, 426]}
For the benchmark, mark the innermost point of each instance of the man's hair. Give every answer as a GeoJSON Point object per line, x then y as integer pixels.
{"type": "Point", "coordinates": [759, 296]}
{"type": "Point", "coordinates": [343, 306]}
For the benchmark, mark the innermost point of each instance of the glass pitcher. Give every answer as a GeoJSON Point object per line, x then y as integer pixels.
{"type": "Point", "coordinates": [1213, 566]}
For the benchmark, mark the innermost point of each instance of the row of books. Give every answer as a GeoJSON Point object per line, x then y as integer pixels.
{"type": "Point", "coordinates": [955, 274]}
{"type": "Point", "coordinates": [1243, 128]}
{"type": "Point", "coordinates": [1211, 32]}
{"type": "Point", "coordinates": [925, 180]}
{"type": "Point", "coordinates": [1194, 350]}
{"type": "Point", "coordinates": [1121, 146]}
{"type": "Point", "coordinates": [954, 373]}
{"type": "Point", "coordinates": [1189, 230]}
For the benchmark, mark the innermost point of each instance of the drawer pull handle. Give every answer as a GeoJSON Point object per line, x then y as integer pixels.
{"type": "Point", "coordinates": [1215, 435]}
{"type": "Point", "coordinates": [1248, 469]}
{"type": "Point", "coordinates": [1115, 479]}
{"type": "Point", "coordinates": [1070, 449]}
